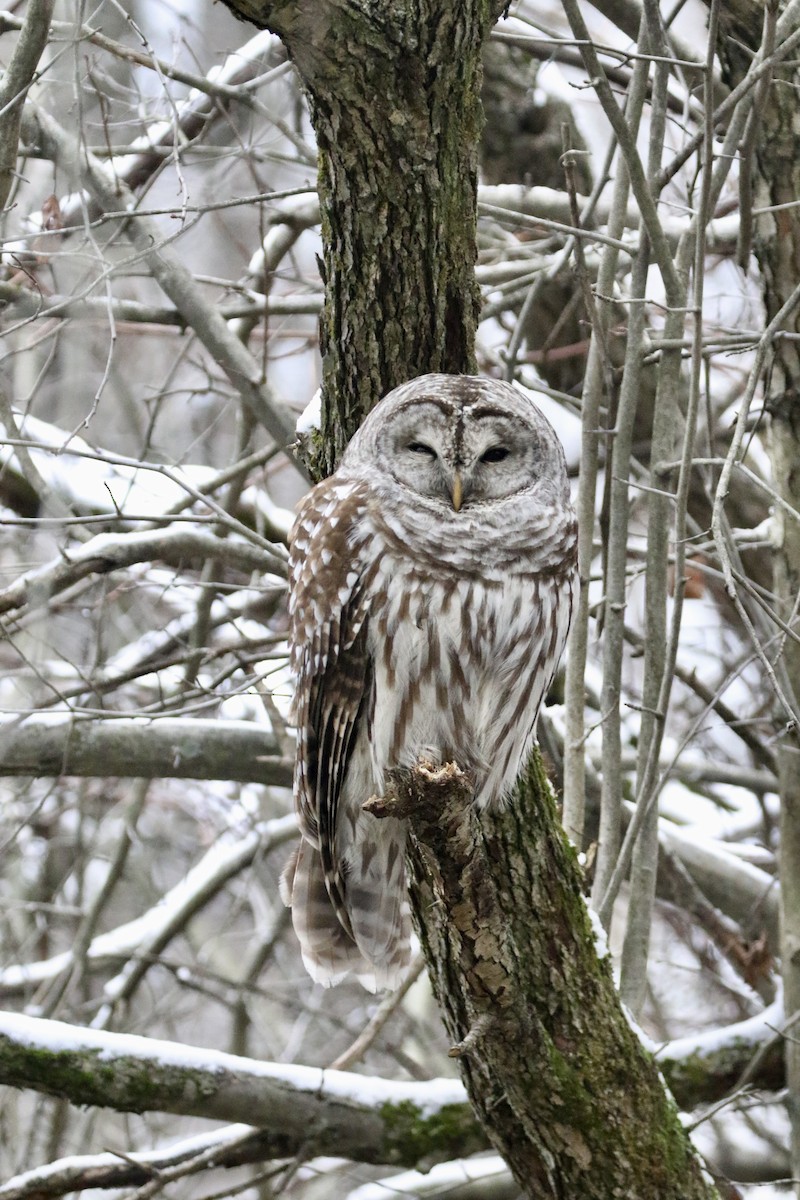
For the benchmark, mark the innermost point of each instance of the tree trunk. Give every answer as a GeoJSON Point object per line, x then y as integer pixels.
{"type": "Point", "coordinates": [394, 91]}
{"type": "Point", "coordinates": [561, 1083]}
{"type": "Point", "coordinates": [554, 1070]}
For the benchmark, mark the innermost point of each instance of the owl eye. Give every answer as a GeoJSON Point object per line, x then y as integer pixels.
{"type": "Point", "coordinates": [421, 448]}
{"type": "Point", "coordinates": [494, 454]}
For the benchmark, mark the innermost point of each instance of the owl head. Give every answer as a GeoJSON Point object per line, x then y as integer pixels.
{"type": "Point", "coordinates": [460, 443]}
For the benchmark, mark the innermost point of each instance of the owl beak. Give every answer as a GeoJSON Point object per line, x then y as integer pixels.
{"type": "Point", "coordinates": [457, 491]}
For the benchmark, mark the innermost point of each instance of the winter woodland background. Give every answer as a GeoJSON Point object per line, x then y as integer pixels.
{"type": "Point", "coordinates": [143, 748]}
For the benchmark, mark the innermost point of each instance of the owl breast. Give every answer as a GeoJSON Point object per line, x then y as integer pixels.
{"type": "Point", "coordinates": [458, 666]}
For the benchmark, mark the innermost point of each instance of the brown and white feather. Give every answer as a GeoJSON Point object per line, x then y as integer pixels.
{"type": "Point", "coordinates": [418, 627]}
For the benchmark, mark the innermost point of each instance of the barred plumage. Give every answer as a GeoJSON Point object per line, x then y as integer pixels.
{"type": "Point", "coordinates": [431, 591]}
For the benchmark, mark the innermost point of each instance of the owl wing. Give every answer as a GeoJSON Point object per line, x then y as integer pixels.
{"type": "Point", "coordinates": [330, 660]}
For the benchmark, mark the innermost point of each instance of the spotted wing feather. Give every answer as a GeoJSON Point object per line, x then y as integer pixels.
{"type": "Point", "coordinates": [333, 671]}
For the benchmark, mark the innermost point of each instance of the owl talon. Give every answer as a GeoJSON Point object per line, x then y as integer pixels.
{"type": "Point", "coordinates": [408, 787]}
{"type": "Point", "coordinates": [382, 806]}
{"type": "Point", "coordinates": [444, 775]}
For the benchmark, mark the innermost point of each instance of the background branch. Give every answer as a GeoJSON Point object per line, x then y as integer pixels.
{"type": "Point", "coordinates": [135, 747]}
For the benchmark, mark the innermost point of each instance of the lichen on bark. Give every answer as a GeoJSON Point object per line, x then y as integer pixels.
{"type": "Point", "coordinates": [553, 1068]}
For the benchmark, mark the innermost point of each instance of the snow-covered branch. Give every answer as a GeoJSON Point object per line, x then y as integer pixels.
{"type": "Point", "coordinates": [98, 482]}
{"type": "Point", "coordinates": [110, 552]}
{"type": "Point", "coordinates": [192, 116]}
{"type": "Point", "coordinates": [742, 891]}
{"type": "Point", "coordinates": [301, 1109]}
{"type": "Point", "coordinates": [705, 1067]}
{"type": "Point", "coordinates": [230, 1146]}
{"type": "Point", "coordinates": [484, 1177]}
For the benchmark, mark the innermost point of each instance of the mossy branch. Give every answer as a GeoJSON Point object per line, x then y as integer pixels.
{"type": "Point", "coordinates": [410, 1125]}
{"type": "Point", "coordinates": [302, 1110]}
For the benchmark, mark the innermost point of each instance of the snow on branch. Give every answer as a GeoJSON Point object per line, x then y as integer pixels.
{"type": "Point", "coordinates": [150, 933]}
{"type": "Point", "coordinates": [302, 1109]}
{"type": "Point", "coordinates": [198, 111]}
{"type": "Point", "coordinates": [742, 891]}
{"type": "Point", "coordinates": [125, 490]}
{"type": "Point", "coordinates": [230, 1146]}
{"type": "Point", "coordinates": [110, 552]}
{"type": "Point", "coordinates": [704, 1067]}
{"type": "Point", "coordinates": [154, 646]}
{"type": "Point", "coordinates": [485, 1177]}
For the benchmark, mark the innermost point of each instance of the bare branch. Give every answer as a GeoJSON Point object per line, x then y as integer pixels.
{"type": "Point", "coordinates": [110, 552]}
{"type": "Point", "coordinates": [137, 747]}
{"type": "Point", "coordinates": [34, 32]}
{"type": "Point", "coordinates": [174, 278]}
{"type": "Point", "coordinates": [145, 936]}
{"type": "Point", "coordinates": [23, 304]}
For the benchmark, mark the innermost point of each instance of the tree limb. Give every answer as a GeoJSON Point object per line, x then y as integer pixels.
{"type": "Point", "coordinates": [700, 1069]}
{"type": "Point", "coordinates": [139, 747]}
{"type": "Point", "coordinates": [232, 1146]}
{"type": "Point", "coordinates": [705, 1067]}
{"type": "Point", "coordinates": [149, 933]}
{"type": "Point", "coordinates": [303, 1110]}
{"type": "Point", "coordinates": [511, 973]}
{"type": "Point", "coordinates": [110, 552]}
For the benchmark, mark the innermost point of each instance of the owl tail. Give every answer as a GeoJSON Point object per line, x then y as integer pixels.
{"type": "Point", "coordinates": [377, 952]}
{"type": "Point", "coordinates": [329, 953]}
{"type": "Point", "coordinates": [376, 898]}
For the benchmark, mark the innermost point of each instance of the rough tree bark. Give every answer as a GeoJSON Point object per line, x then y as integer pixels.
{"type": "Point", "coordinates": [394, 91]}
{"type": "Point", "coordinates": [771, 166]}
{"type": "Point", "coordinates": [561, 1083]}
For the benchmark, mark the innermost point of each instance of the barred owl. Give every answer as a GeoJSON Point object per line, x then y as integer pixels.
{"type": "Point", "coordinates": [431, 582]}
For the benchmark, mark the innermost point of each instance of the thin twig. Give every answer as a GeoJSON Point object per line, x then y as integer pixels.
{"type": "Point", "coordinates": [385, 1011]}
